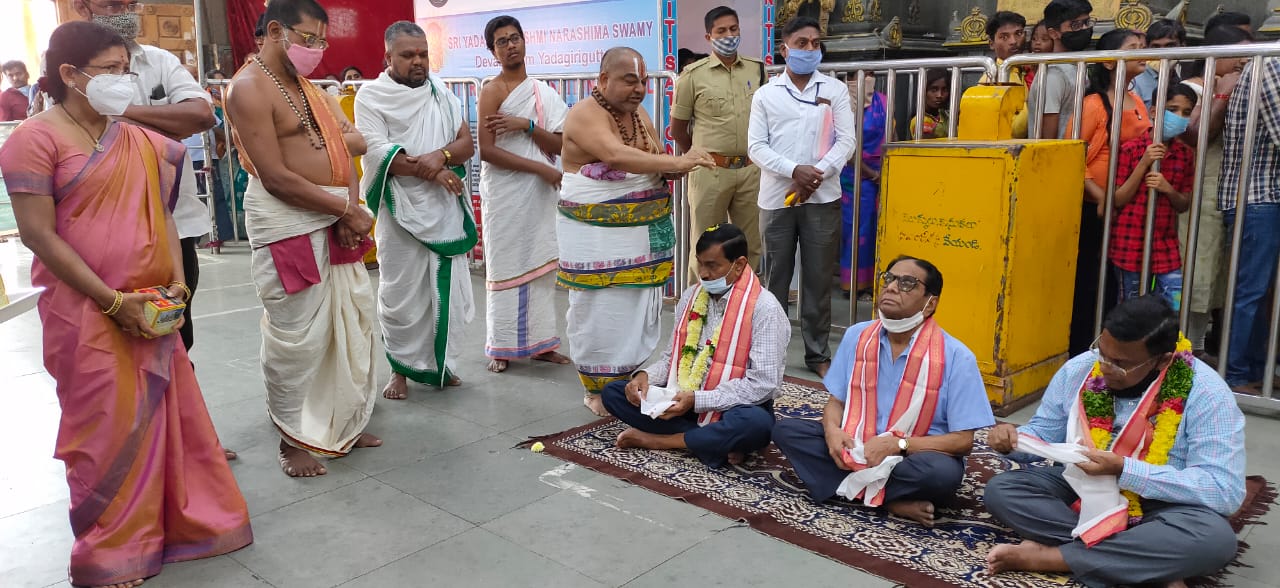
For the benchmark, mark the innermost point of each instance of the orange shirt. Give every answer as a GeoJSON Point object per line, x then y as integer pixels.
{"type": "Point", "coordinates": [1134, 123]}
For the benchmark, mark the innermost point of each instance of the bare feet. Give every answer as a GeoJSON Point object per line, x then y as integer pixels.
{"type": "Point", "coordinates": [454, 381]}
{"type": "Point", "coordinates": [821, 368]}
{"type": "Point", "coordinates": [124, 584]}
{"type": "Point", "coordinates": [736, 458]}
{"type": "Point", "coordinates": [553, 357]}
{"type": "Point", "coordinates": [629, 438]}
{"type": "Point", "coordinates": [397, 388]}
{"type": "Point", "coordinates": [1027, 556]}
{"type": "Point", "coordinates": [230, 455]}
{"type": "Point", "coordinates": [635, 438]}
{"type": "Point", "coordinates": [497, 366]}
{"type": "Point", "coordinates": [595, 404]}
{"type": "Point", "coordinates": [368, 440]}
{"type": "Point", "coordinates": [297, 463]}
{"type": "Point", "coordinates": [920, 511]}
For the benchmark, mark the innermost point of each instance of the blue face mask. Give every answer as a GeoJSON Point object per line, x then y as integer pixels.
{"type": "Point", "coordinates": [803, 62]}
{"type": "Point", "coordinates": [719, 285]}
{"type": "Point", "coordinates": [1174, 124]}
{"type": "Point", "coordinates": [716, 287]}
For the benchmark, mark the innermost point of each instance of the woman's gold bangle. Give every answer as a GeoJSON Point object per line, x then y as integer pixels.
{"type": "Point", "coordinates": [185, 290]}
{"type": "Point", "coordinates": [115, 305]}
{"type": "Point", "coordinates": [448, 157]}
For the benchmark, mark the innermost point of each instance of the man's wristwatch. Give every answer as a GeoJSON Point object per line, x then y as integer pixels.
{"type": "Point", "coordinates": [902, 446]}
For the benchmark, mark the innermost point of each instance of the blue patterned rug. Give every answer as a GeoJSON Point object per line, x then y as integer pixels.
{"type": "Point", "coordinates": [765, 493]}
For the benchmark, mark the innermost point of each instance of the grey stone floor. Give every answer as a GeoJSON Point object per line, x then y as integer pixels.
{"type": "Point", "coordinates": [445, 502]}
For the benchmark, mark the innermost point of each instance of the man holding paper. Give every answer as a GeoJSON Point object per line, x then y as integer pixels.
{"type": "Point", "coordinates": [712, 390]}
{"type": "Point", "coordinates": [905, 400]}
{"type": "Point", "coordinates": [1141, 500]}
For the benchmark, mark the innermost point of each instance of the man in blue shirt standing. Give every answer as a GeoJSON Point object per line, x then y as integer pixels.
{"type": "Point", "coordinates": [1181, 477]}
{"type": "Point", "coordinates": [905, 400]}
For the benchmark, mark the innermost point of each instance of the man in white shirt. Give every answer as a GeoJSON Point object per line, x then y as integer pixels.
{"type": "Point", "coordinates": [800, 136]}
{"type": "Point", "coordinates": [712, 391]}
{"type": "Point", "coordinates": [168, 100]}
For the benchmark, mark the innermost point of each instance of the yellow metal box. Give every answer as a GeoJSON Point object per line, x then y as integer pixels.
{"type": "Point", "coordinates": [1000, 219]}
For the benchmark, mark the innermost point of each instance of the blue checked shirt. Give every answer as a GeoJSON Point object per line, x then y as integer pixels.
{"type": "Point", "coordinates": [766, 361]}
{"type": "Point", "coordinates": [1206, 464]}
{"type": "Point", "coordinates": [1264, 174]}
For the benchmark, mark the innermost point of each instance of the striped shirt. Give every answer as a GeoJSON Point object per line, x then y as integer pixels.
{"type": "Point", "coordinates": [767, 359]}
{"type": "Point", "coordinates": [1264, 174]}
{"type": "Point", "coordinates": [1206, 464]}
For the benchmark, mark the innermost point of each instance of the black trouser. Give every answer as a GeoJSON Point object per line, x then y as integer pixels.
{"type": "Point", "coordinates": [191, 275]}
{"type": "Point", "coordinates": [1085, 300]}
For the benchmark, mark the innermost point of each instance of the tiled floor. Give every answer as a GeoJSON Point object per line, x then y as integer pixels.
{"type": "Point", "coordinates": [445, 502]}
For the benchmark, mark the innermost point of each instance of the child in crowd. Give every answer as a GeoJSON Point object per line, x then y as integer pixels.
{"type": "Point", "coordinates": [1173, 185]}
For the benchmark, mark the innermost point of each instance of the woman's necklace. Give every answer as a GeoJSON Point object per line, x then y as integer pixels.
{"type": "Point", "coordinates": [306, 121]}
{"type": "Point", "coordinates": [629, 136]}
{"type": "Point", "coordinates": [97, 143]}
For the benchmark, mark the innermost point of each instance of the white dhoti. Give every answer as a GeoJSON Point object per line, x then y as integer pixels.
{"type": "Point", "coordinates": [414, 285]}
{"type": "Point", "coordinates": [519, 212]}
{"type": "Point", "coordinates": [424, 233]}
{"type": "Point", "coordinates": [317, 343]}
{"type": "Point", "coordinates": [616, 246]}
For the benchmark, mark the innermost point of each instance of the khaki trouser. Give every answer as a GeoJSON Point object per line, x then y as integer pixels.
{"type": "Point", "coordinates": [717, 195]}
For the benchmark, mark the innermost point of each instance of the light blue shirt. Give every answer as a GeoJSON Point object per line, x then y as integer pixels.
{"type": "Point", "coordinates": [962, 400]}
{"type": "Point", "coordinates": [1206, 463]}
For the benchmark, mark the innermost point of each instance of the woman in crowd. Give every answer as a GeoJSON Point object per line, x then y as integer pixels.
{"type": "Point", "coordinates": [93, 199]}
{"type": "Point", "coordinates": [937, 96]}
{"type": "Point", "coordinates": [873, 133]}
{"type": "Point", "coordinates": [1095, 130]}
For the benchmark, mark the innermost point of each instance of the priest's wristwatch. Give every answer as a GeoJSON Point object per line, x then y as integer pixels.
{"type": "Point", "coordinates": [902, 446]}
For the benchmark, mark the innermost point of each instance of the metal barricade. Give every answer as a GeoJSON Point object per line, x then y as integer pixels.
{"type": "Point", "coordinates": [1267, 400]}
{"type": "Point", "coordinates": [869, 72]}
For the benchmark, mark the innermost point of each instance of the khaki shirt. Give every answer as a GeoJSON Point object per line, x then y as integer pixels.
{"type": "Point", "coordinates": [717, 99]}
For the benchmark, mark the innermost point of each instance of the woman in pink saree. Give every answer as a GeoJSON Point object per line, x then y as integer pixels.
{"type": "Point", "coordinates": [149, 482]}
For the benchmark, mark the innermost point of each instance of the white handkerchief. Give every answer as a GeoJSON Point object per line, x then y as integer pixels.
{"type": "Point", "coordinates": [657, 400]}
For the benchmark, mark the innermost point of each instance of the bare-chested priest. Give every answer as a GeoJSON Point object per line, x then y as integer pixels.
{"type": "Point", "coordinates": [309, 233]}
{"type": "Point", "coordinates": [614, 230]}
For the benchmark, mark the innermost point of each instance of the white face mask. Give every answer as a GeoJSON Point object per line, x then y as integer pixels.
{"type": "Point", "coordinates": [110, 94]}
{"type": "Point", "coordinates": [906, 324]}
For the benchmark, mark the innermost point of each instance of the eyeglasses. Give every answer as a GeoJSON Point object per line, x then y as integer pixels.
{"type": "Point", "coordinates": [115, 70]}
{"type": "Point", "coordinates": [1079, 24]}
{"type": "Point", "coordinates": [905, 283]}
{"type": "Point", "coordinates": [505, 41]}
{"type": "Point", "coordinates": [310, 40]}
{"type": "Point", "coordinates": [1111, 364]}
{"type": "Point", "coordinates": [114, 8]}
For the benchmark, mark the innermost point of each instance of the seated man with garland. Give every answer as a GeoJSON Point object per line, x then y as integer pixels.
{"type": "Point", "coordinates": [906, 398]}
{"type": "Point", "coordinates": [1141, 499]}
{"type": "Point", "coordinates": [712, 390]}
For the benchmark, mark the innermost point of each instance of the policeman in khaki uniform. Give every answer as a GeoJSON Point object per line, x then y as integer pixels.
{"type": "Point", "coordinates": [713, 95]}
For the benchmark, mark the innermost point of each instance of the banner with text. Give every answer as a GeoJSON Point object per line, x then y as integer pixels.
{"type": "Point", "coordinates": [560, 37]}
